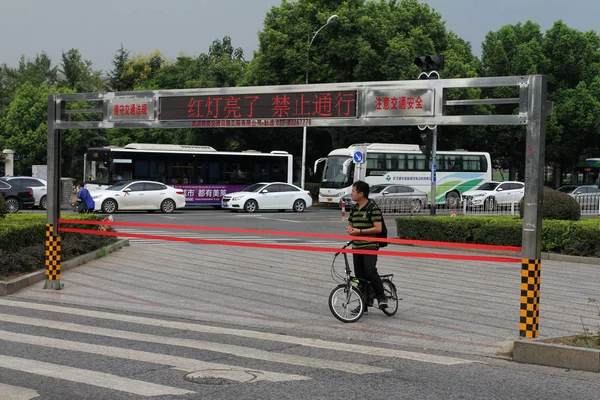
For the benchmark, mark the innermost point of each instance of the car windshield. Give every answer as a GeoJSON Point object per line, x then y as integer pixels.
{"type": "Point", "coordinates": [488, 186]}
{"type": "Point", "coordinates": [377, 189]}
{"type": "Point", "coordinates": [118, 186]}
{"type": "Point", "coordinates": [567, 189]}
{"type": "Point", "coordinates": [254, 188]}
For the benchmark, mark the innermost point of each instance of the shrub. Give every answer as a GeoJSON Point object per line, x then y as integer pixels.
{"type": "Point", "coordinates": [19, 231]}
{"type": "Point", "coordinates": [581, 238]}
{"type": "Point", "coordinates": [3, 210]}
{"type": "Point", "coordinates": [557, 205]}
{"type": "Point", "coordinates": [31, 258]}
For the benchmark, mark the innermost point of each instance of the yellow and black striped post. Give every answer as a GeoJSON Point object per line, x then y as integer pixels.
{"type": "Point", "coordinates": [530, 298]}
{"type": "Point", "coordinates": [52, 259]}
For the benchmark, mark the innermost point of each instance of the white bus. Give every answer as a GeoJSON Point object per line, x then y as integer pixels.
{"type": "Point", "coordinates": [204, 173]}
{"type": "Point", "coordinates": [457, 171]}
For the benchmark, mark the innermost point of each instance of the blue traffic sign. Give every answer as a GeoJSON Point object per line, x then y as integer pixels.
{"type": "Point", "coordinates": [358, 157]}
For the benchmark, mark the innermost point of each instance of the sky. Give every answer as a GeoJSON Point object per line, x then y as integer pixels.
{"type": "Point", "coordinates": [98, 28]}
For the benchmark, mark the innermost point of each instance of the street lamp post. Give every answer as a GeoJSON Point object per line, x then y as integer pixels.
{"type": "Point", "coordinates": [331, 19]}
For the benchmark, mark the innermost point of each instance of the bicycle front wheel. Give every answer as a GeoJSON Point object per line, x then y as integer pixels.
{"type": "Point", "coordinates": [391, 296]}
{"type": "Point", "coordinates": [346, 303]}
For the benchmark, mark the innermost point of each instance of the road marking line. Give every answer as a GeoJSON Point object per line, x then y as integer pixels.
{"type": "Point", "coordinates": [317, 343]}
{"type": "Point", "coordinates": [180, 363]}
{"type": "Point", "coordinates": [88, 377]}
{"type": "Point", "coordinates": [238, 351]}
{"type": "Point", "coordinates": [17, 393]}
{"type": "Point", "coordinates": [281, 220]}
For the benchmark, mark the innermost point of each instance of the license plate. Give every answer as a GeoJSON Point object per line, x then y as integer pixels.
{"type": "Point", "coordinates": [329, 200]}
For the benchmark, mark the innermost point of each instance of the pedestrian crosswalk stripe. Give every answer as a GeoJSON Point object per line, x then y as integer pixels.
{"type": "Point", "coordinates": [238, 351]}
{"type": "Point", "coordinates": [17, 393]}
{"type": "Point", "coordinates": [180, 363]}
{"type": "Point", "coordinates": [88, 377]}
{"type": "Point", "coordinates": [194, 327]}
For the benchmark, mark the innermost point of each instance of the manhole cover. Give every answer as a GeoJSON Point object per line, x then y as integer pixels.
{"type": "Point", "coordinates": [221, 376]}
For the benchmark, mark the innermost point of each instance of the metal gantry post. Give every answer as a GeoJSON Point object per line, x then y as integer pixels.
{"type": "Point", "coordinates": [433, 207]}
{"type": "Point", "coordinates": [53, 248]}
{"type": "Point", "coordinates": [532, 215]}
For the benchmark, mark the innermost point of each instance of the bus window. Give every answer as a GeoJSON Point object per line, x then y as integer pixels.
{"type": "Point", "coordinates": [416, 162]}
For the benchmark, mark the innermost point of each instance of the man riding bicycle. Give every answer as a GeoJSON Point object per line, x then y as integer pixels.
{"type": "Point", "coordinates": [365, 222]}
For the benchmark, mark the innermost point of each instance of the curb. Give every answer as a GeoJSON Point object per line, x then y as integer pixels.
{"type": "Point", "coordinates": [14, 285]}
{"type": "Point", "coordinates": [557, 355]}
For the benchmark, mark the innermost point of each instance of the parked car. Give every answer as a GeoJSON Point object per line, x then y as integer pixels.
{"type": "Point", "coordinates": [268, 196]}
{"type": "Point", "coordinates": [39, 186]}
{"type": "Point", "coordinates": [580, 191]}
{"type": "Point", "coordinates": [138, 195]}
{"type": "Point", "coordinates": [16, 196]}
{"type": "Point", "coordinates": [395, 197]}
{"type": "Point", "coordinates": [491, 194]}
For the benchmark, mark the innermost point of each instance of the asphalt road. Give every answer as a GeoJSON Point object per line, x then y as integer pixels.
{"type": "Point", "coordinates": [252, 323]}
{"type": "Point", "coordinates": [51, 351]}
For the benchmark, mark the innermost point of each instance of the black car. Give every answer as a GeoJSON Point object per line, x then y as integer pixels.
{"type": "Point", "coordinates": [16, 196]}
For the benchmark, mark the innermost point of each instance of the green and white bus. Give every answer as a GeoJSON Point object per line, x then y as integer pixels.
{"type": "Point", "coordinates": [586, 172]}
{"type": "Point", "coordinates": [457, 171]}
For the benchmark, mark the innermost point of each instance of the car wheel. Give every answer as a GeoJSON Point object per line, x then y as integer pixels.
{"type": "Point", "coordinates": [12, 205]}
{"type": "Point", "coordinates": [490, 204]}
{"type": "Point", "coordinates": [44, 203]}
{"type": "Point", "coordinates": [416, 205]}
{"type": "Point", "coordinates": [109, 206]}
{"type": "Point", "coordinates": [167, 206]}
{"type": "Point", "coordinates": [251, 206]}
{"type": "Point", "coordinates": [299, 205]}
{"type": "Point", "coordinates": [452, 200]}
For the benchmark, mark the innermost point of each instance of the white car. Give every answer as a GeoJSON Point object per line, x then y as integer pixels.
{"type": "Point", "coordinates": [38, 185]}
{"type": "Point", "coordinates": [268, 196]}
{"type": "Point", "coordinates": [491, 194]}
{"type": "Point", "coordinates": [138, 195]}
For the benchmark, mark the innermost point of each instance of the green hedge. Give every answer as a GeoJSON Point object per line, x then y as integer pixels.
{"type": "Point", "coordinates": [581, 238]}
{"type": "Point", "coordinates": [18, 231]}
{"type": "Point", "coordinates": [3, 210]}
{"type": "Point", "coordinates": [22, 241]}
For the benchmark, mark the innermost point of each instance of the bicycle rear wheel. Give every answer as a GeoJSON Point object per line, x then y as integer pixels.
{"type": "Point", "coordinates": [346, 303]}
{"type": "Point", "coordinates": [391, 296]}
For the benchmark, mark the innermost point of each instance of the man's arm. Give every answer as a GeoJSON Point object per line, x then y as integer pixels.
{"type": "Point", "coordinates": [374, 230]}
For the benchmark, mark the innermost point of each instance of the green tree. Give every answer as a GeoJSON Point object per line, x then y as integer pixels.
{"type": "Point", "coordinates": [79, 74]}
{"type": "Point", "coordinates": [370, 41]}
{"type": "Point", "coordinates": [118, 81]}
{"type": "Point", "coordinates": [512, 50]}
{"type": "Point", "coordinates": [24, 128]}
{"type": "Point", "coordinates": [36, 71]}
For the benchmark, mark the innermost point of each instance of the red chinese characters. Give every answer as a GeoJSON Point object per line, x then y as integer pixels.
{"type": "Point", "coordinates": [130, 109]}
{"type": "Point", "coordinates": [398, 103]}
{"type": "Point", "coordinates": [262, 106]}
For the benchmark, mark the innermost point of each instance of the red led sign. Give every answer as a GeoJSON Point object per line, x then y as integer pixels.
{"type": "Point", "coordinates": [310, 105]}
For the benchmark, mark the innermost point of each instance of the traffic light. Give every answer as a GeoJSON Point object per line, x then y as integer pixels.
{"type": "Point", "coordinates": [430, 63]}
{"type": "Point", "coordinates": [427, 139]}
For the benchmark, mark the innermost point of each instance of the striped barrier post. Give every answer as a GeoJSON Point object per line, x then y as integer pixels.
{"type": "Point", "coordinates": [52, 259]}
{"type": "Point", "coordinates": [530, 298]}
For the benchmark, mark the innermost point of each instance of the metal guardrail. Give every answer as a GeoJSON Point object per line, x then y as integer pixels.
{"type": "Point", "coordinates": [589, 206]}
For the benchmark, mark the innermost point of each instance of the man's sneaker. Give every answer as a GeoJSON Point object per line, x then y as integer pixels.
{"type": "Point", "coordinates": [382, 304]}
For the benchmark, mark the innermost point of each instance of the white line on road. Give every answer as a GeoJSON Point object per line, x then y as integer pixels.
{"type": "Point", "coordinates": [88, 377]}
{"type": "Point", "coordinates": [317, 343]}
{"type": "Point", "coordinates": [17, 393]}
{"type": "Point", "coordinates": [238, 351]}
{"type": "Point", "coordinates": [281, 220]}
{"type": "Point", "coordinates": [180, 363]}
